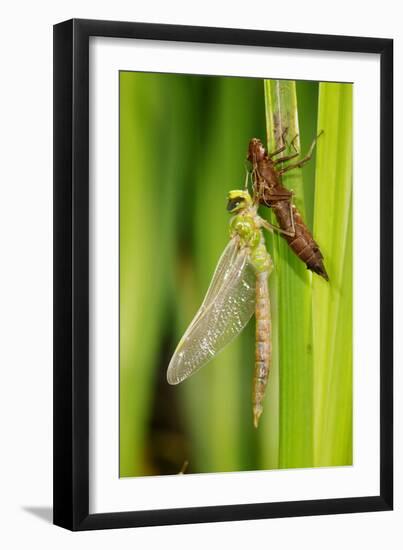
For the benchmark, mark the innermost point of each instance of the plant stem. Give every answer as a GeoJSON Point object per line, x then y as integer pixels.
{"type": "Point", "coordinates": [292, 298]}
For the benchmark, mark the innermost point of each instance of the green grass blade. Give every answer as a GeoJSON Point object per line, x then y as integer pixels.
{"type": "Point", "coordinates": [332, 303]}
{"type": "Point", "coordinates": [293, 299]}
{"type": "Point", "coordinates": [154, 118]}
{"type": "Point", "coordinates": [307, 96]}
{"type": "Point", "coordinates": [136, 362]}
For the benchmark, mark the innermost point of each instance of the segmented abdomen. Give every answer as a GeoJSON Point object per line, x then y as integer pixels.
{"type": "Point", "coordinates": [302, 243]}
{"type": "Point", "coordinates": [263, 344]}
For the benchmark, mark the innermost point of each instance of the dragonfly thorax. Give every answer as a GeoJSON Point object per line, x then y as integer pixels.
{"type": "Point", "coordinates": [245, 227]}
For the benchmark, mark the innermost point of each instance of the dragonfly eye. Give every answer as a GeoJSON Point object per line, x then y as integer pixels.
{"type": "Point", "coordinates": [232, 204]}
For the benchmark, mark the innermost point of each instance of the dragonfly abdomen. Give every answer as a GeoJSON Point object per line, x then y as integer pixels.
{"type": "Point", "coordinates": [263, 344]}
{"type": "Point", "coordinates": [302, 242]}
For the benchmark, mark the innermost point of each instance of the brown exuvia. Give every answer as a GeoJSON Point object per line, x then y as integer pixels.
{"type": "Point", "coordinates": [266, 178]}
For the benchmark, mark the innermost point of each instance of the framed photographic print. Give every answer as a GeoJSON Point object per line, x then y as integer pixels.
{"type": "Point", "coordinates": [223, 236]}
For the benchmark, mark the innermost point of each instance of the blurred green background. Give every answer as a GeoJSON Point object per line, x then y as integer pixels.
{"type": "Point", "coordinates": [183, 144]}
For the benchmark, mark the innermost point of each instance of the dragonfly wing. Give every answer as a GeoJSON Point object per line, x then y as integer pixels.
{"type": "Point", "coordinates": [222, 271]}
{"type": "Point", "coordinates": [228, 306]}
{"type": "Point", "coordinates": [220, 277]}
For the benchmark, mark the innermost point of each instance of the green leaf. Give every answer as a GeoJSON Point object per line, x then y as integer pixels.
{"type": "Point", "coordinates": [291, 288]}
{"type": "Point", "coordinates": [332, 303]}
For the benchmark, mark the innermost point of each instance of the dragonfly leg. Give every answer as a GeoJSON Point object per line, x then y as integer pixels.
{"type": "Point", "coordinates": [256, 184]}
{"type": "Point", "coordinates": [304, 160]}
{"type": "Point", "coordinates": [282, 147]}
{"type": "Point", "coordinates": [292, 144]}
{"type": "Point", "coordinates": [292, 218]}
{"type": "Point", "coordinates": [246, 177]}
{"type": "Point", "coordinates": [269, 226]}
{"type": "Point", "coordinates": [278, 151]}
{"type": "Point", "coordinates": [284, 159]}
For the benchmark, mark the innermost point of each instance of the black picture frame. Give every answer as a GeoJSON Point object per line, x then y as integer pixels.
{"type": "Point", "coordinates": [71, 274]}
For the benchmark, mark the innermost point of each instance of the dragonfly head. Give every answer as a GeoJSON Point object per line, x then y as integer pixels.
{"type": "Point", "coordinates": [256, 151]}
{"type": "Point", "coordinates": [238, 200]}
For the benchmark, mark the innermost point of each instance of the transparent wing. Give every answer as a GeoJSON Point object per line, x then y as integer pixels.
{"type": "Point", "coordinates": [227, 307]}
{"type": "Point", "coordinates": [220, 276]}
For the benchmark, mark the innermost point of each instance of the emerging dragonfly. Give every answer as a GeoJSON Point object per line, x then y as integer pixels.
{"type": "Point", "coordinates": [238, 289]}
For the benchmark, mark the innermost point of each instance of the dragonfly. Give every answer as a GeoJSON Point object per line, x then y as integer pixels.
{"type": "Point", "coordinates": [238, 289]}
{"type": "Point", "coordinates": [268, 185]}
